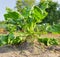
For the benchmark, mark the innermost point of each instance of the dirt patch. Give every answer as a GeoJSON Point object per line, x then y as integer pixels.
{"type": "Point", "coordinates": [3, 31]}
{"type": "Point", "coordinates": [29, 50]}
{"type": "Point", "coordinates": [51, 35]}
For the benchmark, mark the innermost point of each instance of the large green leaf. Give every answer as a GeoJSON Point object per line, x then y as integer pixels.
{"type": "Point", "coordinates": [38, 14]}
{"type": "Point", "coordinates": [12, 15]}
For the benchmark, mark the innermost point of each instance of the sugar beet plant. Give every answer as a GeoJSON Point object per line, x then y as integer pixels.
{"type": "Point", "coordinates": [26, 21]}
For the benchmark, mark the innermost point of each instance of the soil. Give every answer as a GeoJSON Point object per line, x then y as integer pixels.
{"type": "Point", "coordinates": [29, 50]}
{"type": "Point", "coordinates": [50, 35]}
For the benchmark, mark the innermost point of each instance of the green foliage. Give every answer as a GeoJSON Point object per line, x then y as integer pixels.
{"type": "Point", "coordinates": [35, 16]}
{"type": "Point", "coordinates": [27, 21]}
{"type": "Point", "coordinates": [38, 14]}
{"type": "Point", "coordinates": [3, 40]}
{"type": "Point", "coordinates": [11, 39]}
{"type": "Point", "coordinates": [21, 4]}
{"type": "Point", "coordinates": [11, 27]}
{"type": "Point", "coordinates": [48, 41]}
{"type": "Point", "coordinates": [42, 27]}
{"type": "Point", "coordinates": [2, 24]}
{"type": "Point", "coordinates": [12, 14]}
{"type": "Point", "coordinates": [12, 19]}
{"type": "Point", "coordinates": [44, 4]}
{"type": "Point", "coordinates": [53, 14]}
{"type": "Point", "coordinates": [54, 29]}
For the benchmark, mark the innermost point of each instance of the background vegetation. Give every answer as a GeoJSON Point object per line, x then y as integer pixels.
{"type": "Point", "coordinates": [30, 20]}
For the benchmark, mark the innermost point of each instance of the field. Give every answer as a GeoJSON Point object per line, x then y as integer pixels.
{"type": "Point", "coordinates": [31, 31]}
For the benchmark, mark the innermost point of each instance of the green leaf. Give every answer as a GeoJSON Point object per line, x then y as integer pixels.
{"type": "Point", "coordinates": [12, 15]}
{"type": "Point", "coordinates": [38, 14]}
{"type": "Point", "coordinates": [48, 41]}
{"type": "Point", "coordinates": [3, 40]}
{"type": "Point", "coordinates": [10, 38]}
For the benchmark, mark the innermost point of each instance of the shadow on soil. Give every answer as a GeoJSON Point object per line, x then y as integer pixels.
{"type": "Point", "coordinates": [9, 48]}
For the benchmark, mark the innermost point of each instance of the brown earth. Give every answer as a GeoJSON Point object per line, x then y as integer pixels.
{"type": "Point", "coordinates": [3, 31]}
{"type": "Point", "coordinates": [50, 35]}
{"type": "Point", "coordinates": [29, 50]}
